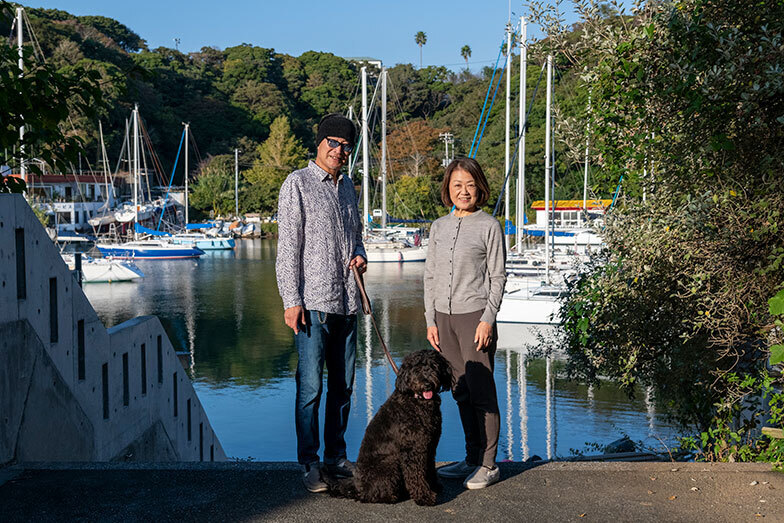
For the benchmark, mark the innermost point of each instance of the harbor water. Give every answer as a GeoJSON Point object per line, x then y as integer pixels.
{"type": "Point", "coordinates": [223, 313]}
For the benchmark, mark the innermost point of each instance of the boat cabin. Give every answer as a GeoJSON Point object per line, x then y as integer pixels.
{"type": "Point", "coordinates": [569, 214]}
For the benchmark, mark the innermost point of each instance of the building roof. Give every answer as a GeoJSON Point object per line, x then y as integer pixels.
{"type": "Point", "coordinates": [573, 205]}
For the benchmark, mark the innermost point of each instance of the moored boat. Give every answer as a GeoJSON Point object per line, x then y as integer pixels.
{"type": "Point", "coordinates": [149, 250]}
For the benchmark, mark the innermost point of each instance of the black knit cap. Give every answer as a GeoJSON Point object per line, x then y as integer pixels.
{"type": "Point", "coordinates": [337, 125]}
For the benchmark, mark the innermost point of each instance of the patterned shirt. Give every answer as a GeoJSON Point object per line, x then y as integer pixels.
{"type": "Point", "coordinates": [319, 232]}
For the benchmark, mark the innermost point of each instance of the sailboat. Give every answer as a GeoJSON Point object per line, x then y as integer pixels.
{"type": "Point", "coordinates": [145, 248]}
{"type": "Point", "coordinates": [533, 297]}
{"type": "Point", "coordinates": [379, 245]}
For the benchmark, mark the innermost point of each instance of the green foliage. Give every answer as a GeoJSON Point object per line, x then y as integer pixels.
{"type": "Point", "coordinates": [415, 197]}
{"type": "Point", "coordinates": [776, 309]}
{"type": "Point", "coordinates": [42, 99]}
{"type": "Point", "coordinates": [214, 188]}
{"type": "Point", "coordinates": [734, 431]}
{"type": "Point", "coordinates": [122, 36]}
{"type": "Point", "coordinates": [278, 156]}
{"type": "Point", "coordinates": [680, 302]}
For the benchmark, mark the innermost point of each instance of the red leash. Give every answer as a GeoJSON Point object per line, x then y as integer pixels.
{"type": "Point", "coordinates": [367, 310]}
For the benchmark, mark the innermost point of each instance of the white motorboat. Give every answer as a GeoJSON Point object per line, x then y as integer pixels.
{"type": "Point", "coordinates": [393, 251]}
{"type": "Point", "coordinates": [203, 241]}
{"type": "Point", "coordinates": [104, 270]}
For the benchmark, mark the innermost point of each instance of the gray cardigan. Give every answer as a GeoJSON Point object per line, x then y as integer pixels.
{"type": "Point", "coordinates": [465, 268]}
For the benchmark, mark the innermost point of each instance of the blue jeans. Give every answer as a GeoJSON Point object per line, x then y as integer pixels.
{"type": "Point", "coordinates": [330, 338]}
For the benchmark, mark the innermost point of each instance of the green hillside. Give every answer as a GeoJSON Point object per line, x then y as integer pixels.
{"type": "Point", "coordinates": [232, 96]}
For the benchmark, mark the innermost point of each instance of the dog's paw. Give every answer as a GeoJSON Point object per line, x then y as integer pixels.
{"type": "Point", "coordinates": [438, 487]}
{"type": "Point", "coordinates": [426, 499]}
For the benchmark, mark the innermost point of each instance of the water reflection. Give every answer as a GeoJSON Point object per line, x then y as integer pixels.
{"type": "Point", "coordinates": [224, 310]}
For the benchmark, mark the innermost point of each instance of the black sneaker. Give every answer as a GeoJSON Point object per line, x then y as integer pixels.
{"type": "Point", "coordinates": [312, 478]}
{"type": "Point", "coordinates": [341, 468]}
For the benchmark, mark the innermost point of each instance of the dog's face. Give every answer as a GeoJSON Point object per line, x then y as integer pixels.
{"type": "Point", "coordinates": [424, 373]}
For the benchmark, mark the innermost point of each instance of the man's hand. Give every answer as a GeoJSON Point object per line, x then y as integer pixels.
{"type": "Point", "coordinates": [359, 262]}
{"type": "Point", "coordinates": [294, 317]}
{"type": "Point", "coordinates": [432, 337]}
{"type": "Point", "coordinates": [483, 336]}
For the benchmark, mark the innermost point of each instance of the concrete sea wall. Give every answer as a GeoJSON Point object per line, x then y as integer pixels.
{"type": "Point", "coordinates": [72, 390]}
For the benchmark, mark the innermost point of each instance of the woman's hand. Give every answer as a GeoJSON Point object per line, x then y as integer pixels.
{"type": "Point", "coordinates": [483, 336]}
{"type": "Point", "coordinates": [432, 337]}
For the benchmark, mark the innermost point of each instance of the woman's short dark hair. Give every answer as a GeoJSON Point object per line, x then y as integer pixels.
{"type": "Point", "coordinates": [473, 168]}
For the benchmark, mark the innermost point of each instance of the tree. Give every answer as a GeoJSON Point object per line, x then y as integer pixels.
{"type": "Point", "coordinates": [465, 52]}
{"type": "Point", "coordinates": [415, 197]}
{"type": "Point", "coordinates": [680, 302]}
{"type": "Point", "coordinates": [412, 149]}
{"type": "Point", "coordinates": [214, 187]}
{"type": "Point", "coordinates": [42, 99]}
{"type": "Point", "coordinates": [421, 39]}
{"type": "Point", "coordinates": [278, 156]}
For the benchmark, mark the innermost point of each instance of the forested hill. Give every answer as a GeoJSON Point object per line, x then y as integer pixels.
{"type": "Point", "coordinates": [232, 96]}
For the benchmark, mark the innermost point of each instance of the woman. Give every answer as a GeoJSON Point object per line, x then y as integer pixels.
{"type": "Point", "coordinates": [464, 283]}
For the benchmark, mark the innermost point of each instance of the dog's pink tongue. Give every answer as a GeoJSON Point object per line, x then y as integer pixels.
{"type": "Point", "coordinates": [428, 394]}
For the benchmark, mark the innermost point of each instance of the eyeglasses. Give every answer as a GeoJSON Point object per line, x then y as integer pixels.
{"type": "Point", "coordinates": [334, 144]}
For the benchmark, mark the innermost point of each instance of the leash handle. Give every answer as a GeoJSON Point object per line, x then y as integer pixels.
{"type": "Point", "coordinates": [368, 310]}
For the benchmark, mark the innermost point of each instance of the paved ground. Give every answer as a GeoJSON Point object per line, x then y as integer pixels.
{"type": "Point", "coordinates": [273, 491]}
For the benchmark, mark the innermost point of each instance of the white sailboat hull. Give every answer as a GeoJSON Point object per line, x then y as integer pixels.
{"type": "Point", "coordinates": [395, 254]}
{"type": "Point", "coordinates": [529, 306]}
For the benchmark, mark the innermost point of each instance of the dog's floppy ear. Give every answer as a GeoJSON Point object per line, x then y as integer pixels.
{"type": "Point", "coordinates": [404, 378]}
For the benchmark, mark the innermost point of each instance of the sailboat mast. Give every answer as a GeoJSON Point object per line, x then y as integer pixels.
{"type": "Point", "coordinates": [135, 168]}
{"type": "Point", "coordinates": [365, 157]}
{"type": "Point", "coordinates": [19, 41]}
{"type": "Point", "coordinates": [105, 160]}
{"type": "Point", "coordinates": [547, 167]}
{"type": "Point", "coordinates": [508, 117]}
{"type": "Point", "coordinates": [384, 149]}
{"type": "Point", "coordinates": [350, 116]}
{"type": "Point", "coordinates": [520, 205]}
{"type": "Point", "coordinates": [587, 143]}
{"type": "Point", "coordinates": [187, 137]}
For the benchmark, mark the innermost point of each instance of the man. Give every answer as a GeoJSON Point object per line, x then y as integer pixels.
{"type": "Point", "coordinates": [319, 241]}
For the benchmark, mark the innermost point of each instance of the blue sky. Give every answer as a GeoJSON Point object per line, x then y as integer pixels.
{"type": "Point", "coordinates": [383, 30]}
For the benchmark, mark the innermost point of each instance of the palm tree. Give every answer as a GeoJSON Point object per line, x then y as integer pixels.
{"type": "Point", "coordinates": [421, 39]}
{"type": "Point", "coordinates": [465, 52]}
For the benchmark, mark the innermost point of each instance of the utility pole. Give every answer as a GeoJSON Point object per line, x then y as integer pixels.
{"type": "Point", "coordinates": [365, 156]}
{"type": "Point", "coordinates": [449, 139]}
{"type": "Point", "coordinates": [187, 137]}
{"type": "Point", "coordinates": [19, 38]}
{"type": "Point", "coordinates": [520, 207]}
{"type": "Point", "coordinates": [384, 149]}
{"type": "Point", "coordinates": [507, 237]}
{"type": "Point", "coordinates": [236, 183]}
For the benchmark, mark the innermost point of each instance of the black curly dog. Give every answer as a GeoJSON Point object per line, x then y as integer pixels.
{"type": "Point", "coordinates": [397, 458]}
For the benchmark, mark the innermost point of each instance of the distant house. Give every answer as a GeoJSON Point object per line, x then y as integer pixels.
{"type": "Point", "coordinates": [568, 213]}
{"type": "Point", "coordinates": [74, 198]}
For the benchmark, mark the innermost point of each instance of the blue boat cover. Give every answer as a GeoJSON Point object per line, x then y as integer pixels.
{"type": "Point", "coordinates": [192, 226]}
{"type": "Point", "coordinates": [152, 232]}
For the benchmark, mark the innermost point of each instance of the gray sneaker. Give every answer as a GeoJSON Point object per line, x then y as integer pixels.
{"type": "Point", "coordinates": [456, 470]}
{"type": "Point", "coordinates": [482, 477]}
{"type": "Point", "coordinates": [312, 478]}
{"type": "Point", "coordinates": [341, 468]}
